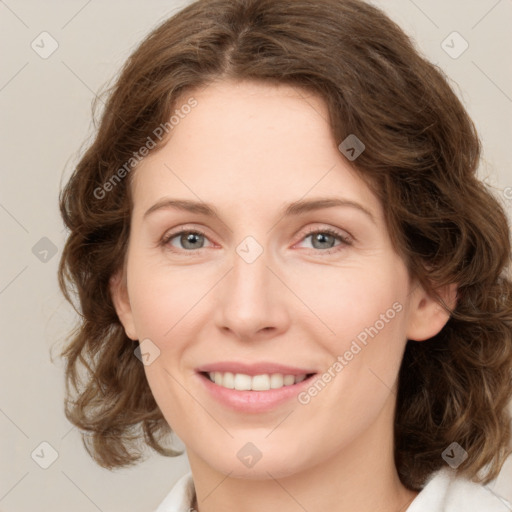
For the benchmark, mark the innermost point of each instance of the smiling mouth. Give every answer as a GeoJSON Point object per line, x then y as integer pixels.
{"type": "Point", "coordinates": [262, 382]}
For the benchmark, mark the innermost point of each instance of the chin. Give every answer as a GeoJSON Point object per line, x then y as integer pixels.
{"type": "Point", "coordinates": [276, 465]}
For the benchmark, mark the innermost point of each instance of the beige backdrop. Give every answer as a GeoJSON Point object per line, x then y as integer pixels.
{"type": "Point", "coordinates": [55, 56]}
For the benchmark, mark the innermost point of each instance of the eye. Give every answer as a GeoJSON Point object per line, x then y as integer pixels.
{"type": "Point", "coordinates": [324, 239]}
{"type": "Point", "coordinates": [188, 240]}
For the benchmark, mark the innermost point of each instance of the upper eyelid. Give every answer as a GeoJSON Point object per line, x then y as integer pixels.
{"type": "Point", "coordinates": [172, 234]}
{"type": "Point", "coordinates": [342, 233]}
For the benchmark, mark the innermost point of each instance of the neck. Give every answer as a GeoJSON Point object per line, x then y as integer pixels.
{"type": "Point", "coordinates": [359, 477]}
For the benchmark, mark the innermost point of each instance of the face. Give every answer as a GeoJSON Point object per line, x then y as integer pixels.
{"type": "Point", "coordinates": [286, 287]}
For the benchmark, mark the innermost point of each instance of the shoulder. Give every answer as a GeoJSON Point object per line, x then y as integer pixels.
{"type": "Point", "coordinates": [447, 492]}
{"type": "Point", "coordinates": [181, 497]}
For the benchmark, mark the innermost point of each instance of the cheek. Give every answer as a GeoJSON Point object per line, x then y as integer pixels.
{"type": "Point", "coordinates": [165, 306]}
{"type": "Point", "coordinates": [168, 308]}
{"type": "Point", "coordinates": [354, 302]}
{"type": "Point", "coordinates": [163, 299]}
{"type": "Point", "coordinates": [365, 311]}
{"type": "Point", "coordinates": [371, 336]}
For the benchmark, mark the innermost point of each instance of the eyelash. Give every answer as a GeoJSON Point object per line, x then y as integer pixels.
{"type": "Point", "coordinates": [344, 239]}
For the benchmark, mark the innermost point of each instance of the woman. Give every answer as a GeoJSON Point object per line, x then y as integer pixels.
{"type": "Point", "coordinates": [282, 253]}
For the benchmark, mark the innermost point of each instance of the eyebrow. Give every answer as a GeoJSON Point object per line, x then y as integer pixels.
{"type": "Point", "coordinates": [293, 209]}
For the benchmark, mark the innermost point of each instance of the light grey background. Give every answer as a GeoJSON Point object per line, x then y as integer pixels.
{"type": "Point", "coordinates": [45, 105]}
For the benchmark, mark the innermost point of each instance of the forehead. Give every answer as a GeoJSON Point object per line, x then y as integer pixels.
{"type": "Point", "coordinates": [248, 142]}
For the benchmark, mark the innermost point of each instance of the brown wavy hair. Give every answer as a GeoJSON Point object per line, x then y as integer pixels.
{"type": "Point", "coordinates": [421, 159]}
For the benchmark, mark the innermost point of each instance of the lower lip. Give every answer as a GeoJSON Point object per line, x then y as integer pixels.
{"type": "Point", "coordinates": [253, 401]}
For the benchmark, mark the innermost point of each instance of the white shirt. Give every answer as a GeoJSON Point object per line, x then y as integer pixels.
{"type": "Point", "coordinates": [443, 492]}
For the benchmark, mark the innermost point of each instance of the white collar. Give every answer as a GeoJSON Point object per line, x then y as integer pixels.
{"type": "Point", "coordinates": [443, 492]}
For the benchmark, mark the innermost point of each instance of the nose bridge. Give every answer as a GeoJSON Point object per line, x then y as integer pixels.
{"type": "Point", "coordinates": [249, 280]}
{"type": "Point", "coordinates": [250, 299]}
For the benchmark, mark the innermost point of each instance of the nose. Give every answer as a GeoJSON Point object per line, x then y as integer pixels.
{"type": "Point", "coordinates": [252, 300]}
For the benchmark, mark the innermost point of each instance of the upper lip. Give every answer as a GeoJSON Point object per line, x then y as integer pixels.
{"type": "Point", "coordinates": [253, 368]}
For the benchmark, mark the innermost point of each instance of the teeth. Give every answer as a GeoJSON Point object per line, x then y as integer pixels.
{"type": "Point", "coordinates": [242, 382]}
{"type": "Point", "coordinates": [264, 382]}
{"type": "Point", "coordinates": [260, 383]}
{"type": "Point", "coordinates": [276, 381]}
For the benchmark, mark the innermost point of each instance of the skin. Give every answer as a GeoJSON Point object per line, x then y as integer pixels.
{"type": "Point", "coordinates": [249, 149]}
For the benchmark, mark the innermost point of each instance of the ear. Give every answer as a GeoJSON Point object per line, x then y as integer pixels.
{"type": "Point", "coordinates": [427, 316]}
{"type": "Point", "coordinates": [119, 294]}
